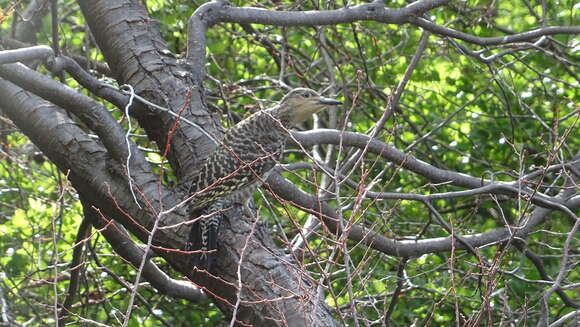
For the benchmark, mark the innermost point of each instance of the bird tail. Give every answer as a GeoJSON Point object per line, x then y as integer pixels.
{"type": "Point", "coordinates": [203, 236]}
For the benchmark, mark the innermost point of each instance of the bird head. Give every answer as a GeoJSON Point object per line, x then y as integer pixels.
{"type": "Point", "coordinates": [301, 103]}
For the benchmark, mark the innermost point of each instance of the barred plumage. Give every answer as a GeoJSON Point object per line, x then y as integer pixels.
{"type": "Point", "coordinates": [241, 162]}
{"type": "Point", "coordinates": [203, 234]}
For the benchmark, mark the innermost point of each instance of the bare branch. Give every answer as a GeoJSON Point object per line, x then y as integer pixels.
{"type": "Point", "coordinates": [128, 250]}
{"type": "Point", "coordinates": [76, 264]}
{"type": "Point", "coordinates": [520, 37]}
{"type": "Point", "coordinates": [537, 262]}
{"type": "Point", "coordinates": [400, 248]}
{"type": "Point", "coordinates": [562, 273]}
{"type": "Point", "coordinates": [220, 11]}
{"type": "Point", "coordinates": [437, 175]}
{"type": "Point", "coordinates": [24, 54]}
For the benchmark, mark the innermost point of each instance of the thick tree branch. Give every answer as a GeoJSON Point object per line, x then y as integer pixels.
{"type": "Point", "coordinates": [93, 114]}
{"type": "Point", "coordinates": [24, 54]}
{"type": "Point", "coordinates": [88, 165]}
{"type": "Point", "coordinates": [38, 119]}
{"type": "Point", "coordinates": [91, 83]}
{"type": "Point", "coordinates": [137, 55]}
{"type": "Point", "coordinates": [100, 67]}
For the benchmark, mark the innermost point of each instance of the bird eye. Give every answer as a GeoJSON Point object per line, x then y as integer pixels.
{"type": "Point", "coordinates": [306, 95]}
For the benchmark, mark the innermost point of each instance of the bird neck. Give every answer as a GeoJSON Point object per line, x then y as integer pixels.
{"type": "Point", "coordinates": [270, 119]}
{"type": "Point", "coordinates": [279, 116]}
{"type": "Point", "coordinates": [267, 122]}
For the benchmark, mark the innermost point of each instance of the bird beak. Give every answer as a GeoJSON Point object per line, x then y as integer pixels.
{"type": "Point", "coordinates": [328, 101]}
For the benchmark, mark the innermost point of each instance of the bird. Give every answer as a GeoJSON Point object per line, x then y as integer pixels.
{"type": "Point", "coordinates": [241, 162]}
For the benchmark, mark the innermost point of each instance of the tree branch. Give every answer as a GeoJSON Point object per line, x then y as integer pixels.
{"type": "Point", "coordinates": [138, 55]}
{"type": "Point", "coordinates": [76, 265]}
{"type": "Point", "coordinates": [25, 54]}
{"type": "Point", "coordinates": [437, 175]}
{"type": "Point", "coordinates": [221, 12]}
{"type": "Point", "coordinates": [72, 150]}
{"type": "Point", "coordinates": [123, 245]}
{"type": "Point", "coordinates": [93, 114]}
{"type": "Point", "coordinates": [285, 190]}
{"type": "Point", "coordinates": [496, 40]}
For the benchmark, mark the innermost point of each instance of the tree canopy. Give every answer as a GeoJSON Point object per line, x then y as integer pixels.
{"type": "Point", "coordinates": [444, 191]}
